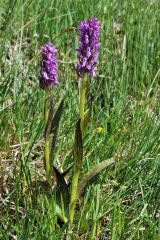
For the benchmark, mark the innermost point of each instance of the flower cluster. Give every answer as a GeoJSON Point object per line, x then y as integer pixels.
{"type": "Point", "coordinates": [88, 32]}
{"type": "Point", "coordinates": [49, 67]}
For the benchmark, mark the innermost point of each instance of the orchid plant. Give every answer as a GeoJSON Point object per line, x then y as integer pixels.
{"type": "Point", "coordinates": [87, 54]}
{"type": "Point", "coordinates": [47, 80]}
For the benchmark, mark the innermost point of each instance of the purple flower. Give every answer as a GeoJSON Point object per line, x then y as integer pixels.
{"type": "Point", "coordinates": [88, 32]}
{"type": "Point", "coordinates": [49, 67]}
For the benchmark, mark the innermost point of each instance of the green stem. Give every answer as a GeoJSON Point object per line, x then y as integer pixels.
{"type": "Point", "coordinates": [82, 94]}
{"type": "Point", "coordinates": [47, 147]}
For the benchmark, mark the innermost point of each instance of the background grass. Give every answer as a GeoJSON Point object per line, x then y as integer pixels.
{"type": "Point", "coordinates": [123, 201]}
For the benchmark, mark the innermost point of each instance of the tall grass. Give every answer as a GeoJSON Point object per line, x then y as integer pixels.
{"type": "Point", "coordinates": [123, 201]}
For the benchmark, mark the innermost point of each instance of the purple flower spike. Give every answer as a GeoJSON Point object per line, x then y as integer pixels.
{"type": "Point", "coordinates": [49, 67]}
{"type": "Point", "coordinates": [88, 32]}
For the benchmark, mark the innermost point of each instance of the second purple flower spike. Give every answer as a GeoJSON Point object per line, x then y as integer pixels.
{"type": "Point", "coordinates": [88, 32]}
{"type": "Point", "coordinates": [49, 67]}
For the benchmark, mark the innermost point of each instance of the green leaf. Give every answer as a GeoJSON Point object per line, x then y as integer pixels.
{"type": "Point", "coordinates": [78, 147]}
{"type": "Point", "coordinates": [92, 173]}
{"type": "Point", "coordinates": [57, 116]}
{"type": "Point", "coordinates": [61, 189]}
{"type": "Point", "coordinates": [49, 123]}
{"type": "Point", "coordinates": [54, 129]}
{"type": "Point", "coordinates": [78, 158]}
{"type": "Point", "coordinates": [88, 117]}
{"type": "Point", "coordinates": [62, 192]}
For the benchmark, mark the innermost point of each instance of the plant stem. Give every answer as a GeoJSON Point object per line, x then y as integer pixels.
{"type": "Point", "coordinates": [82, 94]}
{"type": "Point", "coordinates": [47, 147]}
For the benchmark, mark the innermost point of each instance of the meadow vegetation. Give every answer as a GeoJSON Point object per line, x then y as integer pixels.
{"type": "Point", "coordinates": [122, 201]}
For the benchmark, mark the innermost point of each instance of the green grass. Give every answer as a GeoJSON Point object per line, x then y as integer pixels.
{"type": "Point", "coordinates": [123, 201]}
